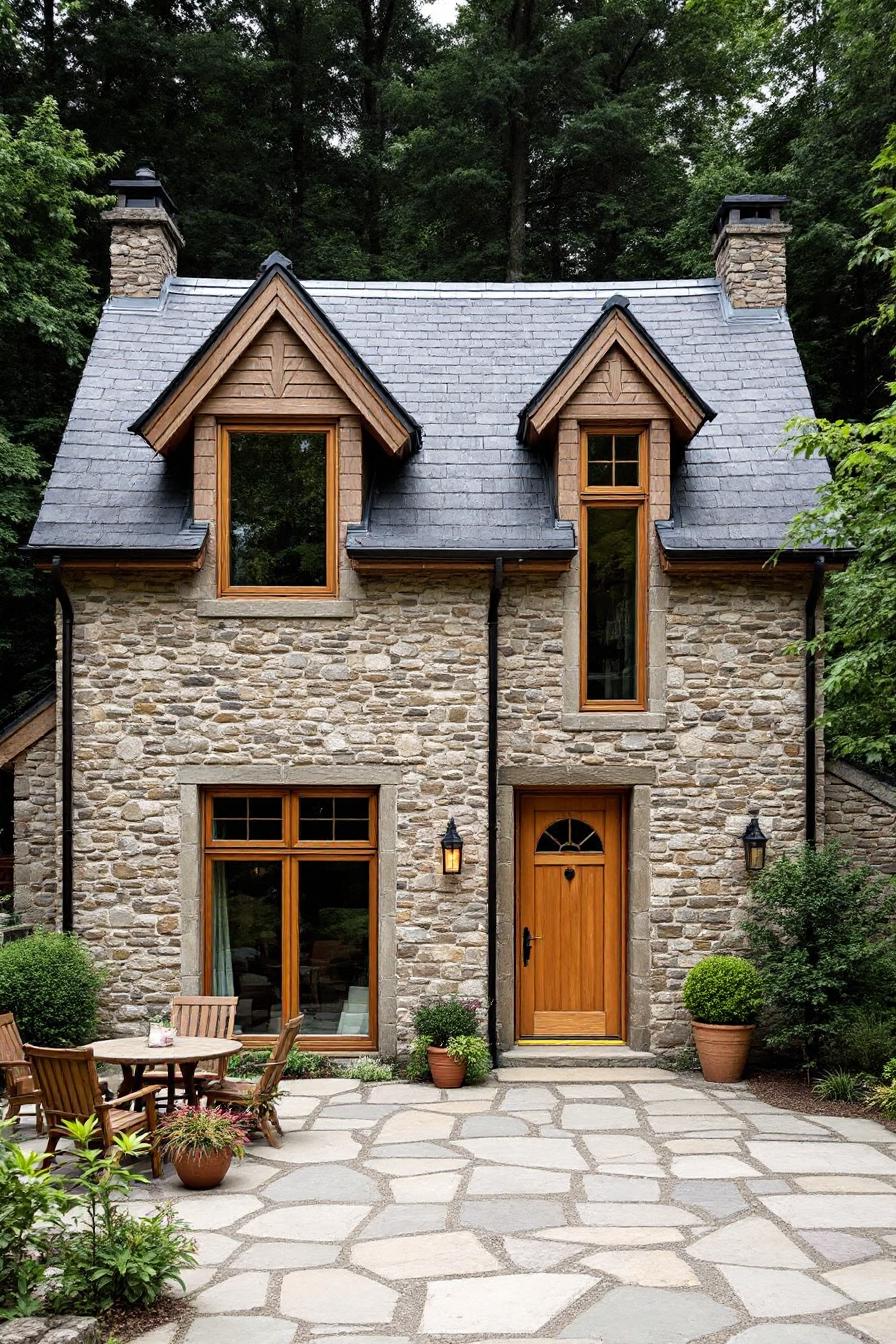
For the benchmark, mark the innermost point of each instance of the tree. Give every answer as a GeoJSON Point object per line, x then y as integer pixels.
{"type": "Point", "coordinates": [47, 310]}
{"type": "Point", "coordinates": [857, 508]}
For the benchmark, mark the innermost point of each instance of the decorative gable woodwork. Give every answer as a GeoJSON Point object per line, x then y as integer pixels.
{"type": "Point", "coordinates": [276, 306]}
{"type": "Point", "coordinates": [616, 345]}
{"type": "Point", "coordinates": [279, 368]}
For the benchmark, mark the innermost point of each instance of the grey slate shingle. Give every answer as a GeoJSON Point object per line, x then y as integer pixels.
{"type": "Point", "coordinates": [462, 359]}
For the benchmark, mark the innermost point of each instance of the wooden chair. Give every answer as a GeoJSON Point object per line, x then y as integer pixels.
{"type": "Point", "coordinates": [201, 1015]}
{"type": "Point", "coordinates": [240, 1094]}
{"type": "Point", "coordinates": [70, 1090]}
{"type": "Point", "coordinates": [21, 1089]}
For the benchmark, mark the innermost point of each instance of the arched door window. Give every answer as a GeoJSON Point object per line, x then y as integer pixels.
{"type": "Point", "coordinates": [569, 835]}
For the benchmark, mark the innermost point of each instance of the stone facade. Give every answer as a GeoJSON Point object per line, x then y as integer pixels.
{"type": "Point", "coordinates": [751, 263]}
{"type": "Point", "coordinates": [143, 250]}
{"type": "Point", "coordinates": [860, 813]}
{"type": "Point", "coordinates": [35, 831]}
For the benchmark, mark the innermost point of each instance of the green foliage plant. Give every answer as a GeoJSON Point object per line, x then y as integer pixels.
{"type": "Point", "coordinates": [683, 1060]}
{"type": "Point", "coordinates": [444, 1018]}
{"type": "Point", "coordinates": [863, 1039]}
{"type": "Point", "coordinates": [475, 1054]}
{"type": "Point", "coordinates": [820, 929]}
{"type": "Point", "coordinates": [841, 1085]}
{"type": "Point", "coordinates": [417, 1068]}
{"type": "Point", "coordinates": [368, 1070]}
{"type": "Point", "coordinates": [883, 1098]}
{"type": "Point", "coordinates": [723, 991]}
{"type": "Point", "coordinates": [112, 1258]}
{"type": "Point", "coordinates": [50, 984]}
{"type": "Point", "coordinates": [33, 1201]}
{"type": "Point", "coordinates": [199, 1131]}
{"type": "Point", "coordinates": [888, 1072]}
{"type": "Point", "coordinates": [299, 1064]}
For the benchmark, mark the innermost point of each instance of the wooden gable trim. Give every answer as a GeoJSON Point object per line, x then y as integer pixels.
{"type": "Point", "coordinates": [23, 733]}
{"type": "Point", "coordinates": [688, 411]}
{"type": "Point", "coordinates": [276, 296]}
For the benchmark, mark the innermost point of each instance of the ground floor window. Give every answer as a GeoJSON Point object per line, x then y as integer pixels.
{"type": "Point", "coordinates": [290, 910]}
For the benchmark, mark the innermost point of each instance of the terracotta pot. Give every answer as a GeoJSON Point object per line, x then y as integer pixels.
{"type": "Point", "coordinates": [723, 1051]}
{"type": "Point", "coordinates": [202, 1173]}
{"type": "Point", "coordinates": [446, 1072]}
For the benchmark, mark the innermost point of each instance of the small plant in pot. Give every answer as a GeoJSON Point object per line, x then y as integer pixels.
{"type": "Point", "coordinates": [723, 996]}
{"type": "Point", "coordinates": [202, 1141]}
{"type": "Point", "coordinates": [438, 1025]}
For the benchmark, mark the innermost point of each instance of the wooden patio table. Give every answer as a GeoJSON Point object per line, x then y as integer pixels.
{"type": "Point", "coordinates": [133, 1056]}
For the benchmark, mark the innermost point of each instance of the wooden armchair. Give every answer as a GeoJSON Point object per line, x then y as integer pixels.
{"type": "Point", "coordinates": [70, 1090]}
{"type": "Point", "coordinates": [21, 1089]}
{"type": "Point", "coordinates": [246, 1095]}
{"type": "Point", "coordinates": [200, 1015]}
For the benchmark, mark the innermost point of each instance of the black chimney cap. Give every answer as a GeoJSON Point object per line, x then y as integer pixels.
{"type": "Point", "coordinates": [753, 209]}
{"type": "Point", "coordinates": [275, 259]}
{"type": "Point", "coordinates": [143, 191]}
{"type": "Point", "coordinates": [615, 301]}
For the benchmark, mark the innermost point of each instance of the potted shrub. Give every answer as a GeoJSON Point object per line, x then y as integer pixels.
{"type": "Point", "coordinates": [723, 996]}
{"type": "Point", "coordinates": [202, 1141]}
{"type": "Point", "coordinates": [437, 1024]}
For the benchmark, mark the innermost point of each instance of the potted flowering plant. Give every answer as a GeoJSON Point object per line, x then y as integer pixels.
{"type": "Point", "coordinates": [723, 996]}
{"type": "Point", "coordinates": [446, 1032]}
{"type": "Point", "coordinates": [202, 1141]}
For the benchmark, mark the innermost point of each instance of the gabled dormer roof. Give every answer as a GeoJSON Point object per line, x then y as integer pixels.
{"type": "Point", "coordinates": [616, 326]}
{"type": "Point", "coordinates": [276, 293]}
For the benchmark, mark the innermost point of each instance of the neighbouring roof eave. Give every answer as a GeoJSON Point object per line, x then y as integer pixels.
{"type": "Point", "coordinates": [277, 269]}
{"type": "Point", "coordinates": [616, 305]}
{"type": "Point", "coordinates": [188, 554]}
{"type": "Point", "coordinates": [31, 724]}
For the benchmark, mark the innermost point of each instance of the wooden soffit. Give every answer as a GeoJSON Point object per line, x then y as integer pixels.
{"type": "Point", "coordinates": [616, 327]}
{"type": "Point", "coordinates": [276, 293]}
{"type": "Point", "coordinates": [29, 728]}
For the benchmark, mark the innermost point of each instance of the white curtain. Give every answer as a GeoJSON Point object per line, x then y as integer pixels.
{"type": "Point", "coordinates": [222, 970]}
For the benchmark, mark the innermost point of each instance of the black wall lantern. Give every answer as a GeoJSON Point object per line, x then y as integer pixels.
{"type": "Point", "coordinates": [754, 846]}
{"type": "Point", "coordinates": [452, 850]}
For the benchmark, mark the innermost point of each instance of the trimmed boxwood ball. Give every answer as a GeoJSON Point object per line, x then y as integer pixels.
{"type": "Point", "coordinates": [444, 1018]}
{"type": "Point", "coordinates": [49, 983]}
{"type": "Point", "coordinates": [723, 992]}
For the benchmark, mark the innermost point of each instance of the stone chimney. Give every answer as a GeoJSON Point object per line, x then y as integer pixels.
{"type": "Point", "coordinates": [145, 238]}
{"type": "Point", "coordinates": [749, 242]}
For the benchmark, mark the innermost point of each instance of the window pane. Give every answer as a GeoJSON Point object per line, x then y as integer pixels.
{"type": "Point", "coordinates": [247, 957]}
{"type": "Point", "coordinates": [600, 473]}
{"type": "Point", "coordinates": [613, 459]}
{"type": "Point", "coordinates": [612, 603]}
{"type": "Point", "coordinates": [278, 510]}
{"type": "Point", "coordinates": [334, 818]}
{"type": "Point", "coordinates": [627, 447]}
{"type": "Point", "coordinates": [334, 928]}
{"type": "Point", "coordinates": [240, 817]}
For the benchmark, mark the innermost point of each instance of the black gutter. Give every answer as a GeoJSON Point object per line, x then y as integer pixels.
{"type": "Point", "coordinates": [816, 589]}
{"type": "Point", "coordinates": [68, 625]}
{"type": "Point", "coordinates": [494, 601]}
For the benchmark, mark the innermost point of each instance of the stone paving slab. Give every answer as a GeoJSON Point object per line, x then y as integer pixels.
{"type": "Point", "coordinates": [623, 1206]}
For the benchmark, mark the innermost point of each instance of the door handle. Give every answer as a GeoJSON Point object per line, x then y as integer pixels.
{"type": "Point", "coordinates": [528, 939]}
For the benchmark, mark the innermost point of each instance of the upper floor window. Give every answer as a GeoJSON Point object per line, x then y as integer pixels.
{"type": "Point", "coordinates": [277, 511]}
{"type": "Point", "coordinates": [613, 525]}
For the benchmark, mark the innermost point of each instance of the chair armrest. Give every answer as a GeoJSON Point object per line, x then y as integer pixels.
{"type": "Point", "coordinates": [14, 1064]}
{"type": "Point", "coordinates": [130, 1096]}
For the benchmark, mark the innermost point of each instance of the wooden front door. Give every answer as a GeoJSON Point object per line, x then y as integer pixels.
{"type": "Point", "coordinates": [570, 927]}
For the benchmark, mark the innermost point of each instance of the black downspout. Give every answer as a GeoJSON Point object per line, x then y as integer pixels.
{"type": "Point", "coordinates": [68, 623]}
{"type": "Point", "coordinates": [494, 601]}
{"type": "Point", "coordinates": [815, 591]}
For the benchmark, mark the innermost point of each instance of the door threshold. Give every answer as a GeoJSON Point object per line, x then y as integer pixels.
{"type": "Point", "coordinates": [572, 1041]}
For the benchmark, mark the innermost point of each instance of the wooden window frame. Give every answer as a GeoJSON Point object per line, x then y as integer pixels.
{"type": "Point", "coordinates": [289, 852]}
{"type": "Point", "coordinates": [615, 497]}
{"type": "Point", "coordinates": [257, 425]}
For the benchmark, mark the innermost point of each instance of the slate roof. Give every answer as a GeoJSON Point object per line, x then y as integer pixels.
{"type": "Point", "coordinates": [463, 360]}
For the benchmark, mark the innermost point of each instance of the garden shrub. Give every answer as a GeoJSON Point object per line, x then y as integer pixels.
{"type": "Point", "coordinates": [862, 1040]}
{"type": "Point", "coordinates": [475, 1054]}
{"type": "Point", "coordinates": [367, 1070]}
{"type": "Point", "coordinates": [840, 1085]}
{"type": "Point", "coordinates": [32, 1203]}
{"type": "Point", "coordinates": [723, 991]}
{"type": "Point", "coordinates": [444, 1018]}
{"type": "Point", "coordinates": [49, 983]}
{"type": "Point", "coordinates": [299, 1064]}
{"type": "Point", "coordinates": [820, 930]}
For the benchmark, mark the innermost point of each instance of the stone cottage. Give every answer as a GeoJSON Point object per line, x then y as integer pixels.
{"type": "Point", "coordinates": [350, 571]}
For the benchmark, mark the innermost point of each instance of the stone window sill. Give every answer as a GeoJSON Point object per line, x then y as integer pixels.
{"type": "Point", "coordinates": [596, 721]}
{"type": "Point", "coordinates": [267, 608]}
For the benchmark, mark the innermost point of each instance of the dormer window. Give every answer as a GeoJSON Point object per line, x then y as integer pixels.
{"type": "Point", "coordinates": [613, 522]}
{"type": "Point", "coordinates": [277, 510]}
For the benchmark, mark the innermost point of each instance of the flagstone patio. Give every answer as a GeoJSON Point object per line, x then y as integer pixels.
{"type": "Point", "coordinates": [625, 1206]}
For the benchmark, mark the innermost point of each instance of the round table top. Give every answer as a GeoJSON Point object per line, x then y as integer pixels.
{"type": "Point", "coordinates": [134, 1050]}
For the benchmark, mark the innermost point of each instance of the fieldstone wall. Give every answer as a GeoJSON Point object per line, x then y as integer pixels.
{"type": "Point", "coordinates": [402, 683]}
{"type": "Point", "coordinates": [860, 813]}
{"type": "Point", "coordinates": [143, 250]}
{"type": "Point", "coordinates": [35, 833]}
{"type": "Point", "coordinates": [751, 264]}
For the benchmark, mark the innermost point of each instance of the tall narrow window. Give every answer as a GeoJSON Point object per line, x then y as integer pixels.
{"type": "Point", "coordinates": [277, 511]}
{"type": "Point", "coordinates": [613, 483]}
